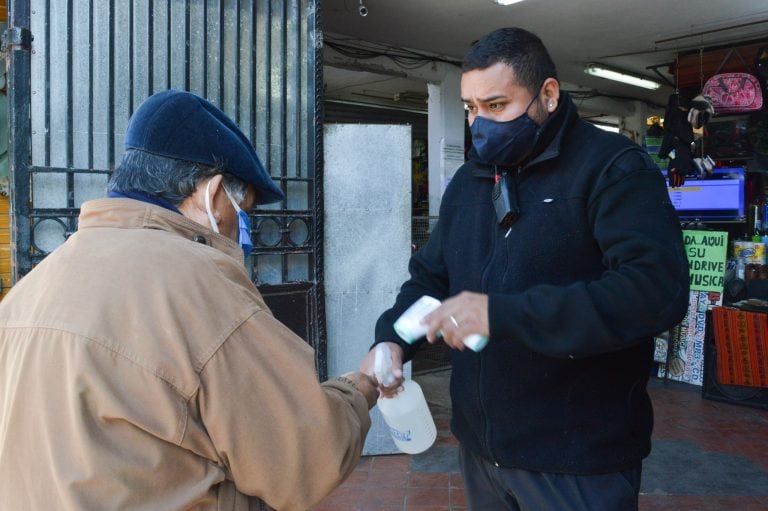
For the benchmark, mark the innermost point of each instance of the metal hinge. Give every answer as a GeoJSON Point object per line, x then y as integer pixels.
{"type": "Point", "coordinates": [16, 36]}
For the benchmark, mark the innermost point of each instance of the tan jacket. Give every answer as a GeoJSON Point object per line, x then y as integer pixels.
{"type": "Point", "coordinates": [141, 370]}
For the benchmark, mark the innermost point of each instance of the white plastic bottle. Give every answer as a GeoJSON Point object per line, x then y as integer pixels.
{"type": "Point", "coordinates": [410, 328]}
{"type": "Point", "coordinates": [407, 414]}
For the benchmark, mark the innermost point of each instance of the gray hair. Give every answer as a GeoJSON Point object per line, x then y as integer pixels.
{"type": "Point", "coordinates": [168, 178]}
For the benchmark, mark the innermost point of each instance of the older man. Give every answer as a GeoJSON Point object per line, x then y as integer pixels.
{"type": "Point", "coordinates": [140, 367]}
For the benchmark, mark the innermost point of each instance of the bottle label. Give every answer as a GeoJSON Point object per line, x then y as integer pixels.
{"type": "Point", "coordinates": [402, 436]}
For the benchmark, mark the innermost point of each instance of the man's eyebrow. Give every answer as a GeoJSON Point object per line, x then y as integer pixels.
{"type": "Point", "coordinates": [486, 100]}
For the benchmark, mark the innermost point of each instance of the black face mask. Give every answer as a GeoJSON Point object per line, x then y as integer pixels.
{"type": "Point", "coordinates": [506, 142]}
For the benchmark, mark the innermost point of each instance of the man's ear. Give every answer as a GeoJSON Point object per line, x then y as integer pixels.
{"type": "Point", "coordinates": [193, 207]}
{"type": "Point", "coordinates": [214, 186]}
{"type": "Point", "coordinates": [550, 94]}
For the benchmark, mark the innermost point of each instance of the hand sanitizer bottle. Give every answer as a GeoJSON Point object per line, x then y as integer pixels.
{"type": "Point", "coordinates": [407, 414]}
{"type": "Point", "coordinates": [410, 328]}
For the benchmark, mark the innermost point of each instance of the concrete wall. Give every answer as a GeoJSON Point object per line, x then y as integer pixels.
{"type": "Point", "coordinates": [367, 187]}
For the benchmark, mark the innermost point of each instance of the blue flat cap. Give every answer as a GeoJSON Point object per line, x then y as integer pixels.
{"type": "Point", "coordinates": [183, 126]}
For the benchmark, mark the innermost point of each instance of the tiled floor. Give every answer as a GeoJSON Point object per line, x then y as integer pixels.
{"type": "Point", "coordinates": [707, 456]}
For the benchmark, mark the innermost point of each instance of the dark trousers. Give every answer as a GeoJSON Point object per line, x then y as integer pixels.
{"type": "Point", "coordinates": [491, 488]}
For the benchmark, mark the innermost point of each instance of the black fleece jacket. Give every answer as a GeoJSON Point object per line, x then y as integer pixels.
{"type": "Point", "coordinates": [592, 269]}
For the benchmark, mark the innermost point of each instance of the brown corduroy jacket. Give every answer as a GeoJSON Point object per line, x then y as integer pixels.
{"type": "Point", "coordinates": [140, 369]}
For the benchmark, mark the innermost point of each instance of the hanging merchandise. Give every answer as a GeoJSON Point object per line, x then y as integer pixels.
{"type": "Point", "coordinates": [704, 166]}
{"type": "Point", "coordinates": [678, 141]}
{"type": "Point", "coordinates": [701, 111]}
{"type": "Point", "coordinates": [734, 93]}
{"type": "Point", "coordinates": [698, 116]}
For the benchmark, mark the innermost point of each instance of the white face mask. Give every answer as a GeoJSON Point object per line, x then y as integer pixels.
{"type": "Point", "coordinates": [244, 221]}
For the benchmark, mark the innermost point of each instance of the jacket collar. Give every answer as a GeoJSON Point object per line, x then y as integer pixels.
{"type": "Point", "coordinates": [124, 213]}
{"type": "Point", "coordinates": [548, 140]}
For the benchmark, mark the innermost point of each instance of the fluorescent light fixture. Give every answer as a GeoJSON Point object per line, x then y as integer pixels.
{"type": "Point", "coordinates": [620, 76]}
{"type": "Point", "coordinates": [506, 2]}
{"type": "Point", "coordinates": [606, 127]}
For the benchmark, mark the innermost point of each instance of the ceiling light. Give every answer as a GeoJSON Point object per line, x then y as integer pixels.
{"type": "Point", "coordinates": [620, 76]}
{"type": "Point", "coordinates": [506, 2]}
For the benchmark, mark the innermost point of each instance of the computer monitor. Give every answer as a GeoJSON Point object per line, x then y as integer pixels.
{"type": "Point", "coordinates": [719, 198]}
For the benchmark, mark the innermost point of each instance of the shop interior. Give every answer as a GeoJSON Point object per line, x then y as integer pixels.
{"type": "Point", "coordinates": [709, 440]}
{"type": "Point", "coordinates": [716, 147]}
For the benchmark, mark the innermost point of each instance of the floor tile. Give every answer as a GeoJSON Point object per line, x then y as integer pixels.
{"type": "Point", "coordinates": [429, 480]}
{"type": "Point", "coordinates": [692, 503]}
{"type": "Point", "coordinates": [707, 456]}
{"type": "Point", "coordinates": [428, 497]}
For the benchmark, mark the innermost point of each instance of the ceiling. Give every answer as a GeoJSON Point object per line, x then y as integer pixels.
{"type": "Point", "coordinates": [629, 35]}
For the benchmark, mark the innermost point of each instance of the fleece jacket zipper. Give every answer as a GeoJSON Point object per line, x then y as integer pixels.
{"type": "Point", "coordinates": [487, 429]}
{"type": "Point", "coordinates": [498, 232]}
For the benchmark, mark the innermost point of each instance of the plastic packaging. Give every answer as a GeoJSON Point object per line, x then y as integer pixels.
{"type": "Point", "coordinates": [407, 414]}
{"type": "Point", "coordinates": [410, 328]}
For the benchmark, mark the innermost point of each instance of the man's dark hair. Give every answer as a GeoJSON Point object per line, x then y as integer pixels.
{"type": "Point", "coordinates": [168, 178]}
{"type": "Point", "coordinates": [521, 50]}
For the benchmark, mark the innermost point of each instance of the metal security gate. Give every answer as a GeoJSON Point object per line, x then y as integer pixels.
{"type": "Point", "coordinates": [79, 68]}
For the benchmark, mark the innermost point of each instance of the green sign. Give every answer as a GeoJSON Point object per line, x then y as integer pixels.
{"type": "Point", "coordinates": [706, 251]}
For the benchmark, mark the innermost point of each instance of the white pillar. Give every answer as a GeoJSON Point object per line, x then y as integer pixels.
{"type": "Point", "coordinates": [446, 134]}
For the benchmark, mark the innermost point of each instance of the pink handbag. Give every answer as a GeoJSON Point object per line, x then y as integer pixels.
{"type": "Point", "coordinates": [733, 93]}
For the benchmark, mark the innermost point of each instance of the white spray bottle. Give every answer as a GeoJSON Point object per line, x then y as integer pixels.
{"type": "Point", "coordinates": [407, 414]}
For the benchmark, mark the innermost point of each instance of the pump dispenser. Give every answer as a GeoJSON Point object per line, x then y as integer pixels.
{"type": "Point", "coordinates": [407, 414]}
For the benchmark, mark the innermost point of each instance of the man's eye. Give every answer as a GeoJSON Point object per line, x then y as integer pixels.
{"type": "Point", "coordinates": [469, 108]}
{"type": "Point", "coordinates": [495, 107]}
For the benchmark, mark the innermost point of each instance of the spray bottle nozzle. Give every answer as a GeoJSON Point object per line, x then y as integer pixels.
{"type": "Point", "coordinates": [382, 365]}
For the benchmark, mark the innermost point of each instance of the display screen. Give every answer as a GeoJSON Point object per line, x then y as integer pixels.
{"type": "Point", "coordinates": [718, 198]}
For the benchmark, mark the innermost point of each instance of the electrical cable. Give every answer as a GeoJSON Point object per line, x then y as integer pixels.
{"type": "Point", "coordinates": [406, 59]}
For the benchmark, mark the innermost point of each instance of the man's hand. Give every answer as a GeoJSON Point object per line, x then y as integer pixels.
{"type": "Point", "coordinates": [458, 317]}
{"type": "Point", "coordinates": [367, 367]}
{"type": "Point", "coordinates": [365, 383]}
